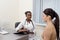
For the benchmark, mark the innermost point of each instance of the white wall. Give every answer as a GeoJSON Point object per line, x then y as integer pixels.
{"type": "Point", "coordinates": [24, 5]}
{"type": "Point", "coordinates": [12, 11]}
{"type": "Point", "coordinates": [8, 12]}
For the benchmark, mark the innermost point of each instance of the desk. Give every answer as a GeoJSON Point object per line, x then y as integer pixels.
{"type": "Point", "coordinates": [12, 36]}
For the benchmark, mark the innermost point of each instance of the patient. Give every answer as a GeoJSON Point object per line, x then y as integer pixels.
{"type": "Point", "coordinates": [51, 31]}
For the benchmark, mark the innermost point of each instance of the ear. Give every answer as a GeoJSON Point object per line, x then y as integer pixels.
{"type": "Point", "coordinates": [49, 17]}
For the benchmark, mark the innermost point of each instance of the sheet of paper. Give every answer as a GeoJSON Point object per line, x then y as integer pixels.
{"type": "Point", "coordinates": [3, 32]}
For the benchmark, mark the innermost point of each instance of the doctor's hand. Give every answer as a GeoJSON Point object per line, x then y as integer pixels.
{"type": "Point", "coordinates": [23, 30]}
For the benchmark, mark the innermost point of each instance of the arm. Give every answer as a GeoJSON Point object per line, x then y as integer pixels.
{"type": "Point", "coordinates": [34, 26]}
{"type": "Point", "coordinates": [22, 30]}
{"type": "Point", "coordinates": [20, 27]}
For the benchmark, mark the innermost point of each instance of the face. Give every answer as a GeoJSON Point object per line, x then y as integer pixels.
{"type": "Point", "coordinates": [44, 17]}
{"type": "Point", "coordinates": [29, 15]}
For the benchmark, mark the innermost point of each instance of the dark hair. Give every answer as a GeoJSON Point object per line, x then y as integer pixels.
{"type": "Point", "coordinates": [53, 14]}
{"type": "Point", "coordinates": [27, 12]}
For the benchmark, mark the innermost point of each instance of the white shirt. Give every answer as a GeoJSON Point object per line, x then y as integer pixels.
{"type": "Point", "coordinates": [29, 26]}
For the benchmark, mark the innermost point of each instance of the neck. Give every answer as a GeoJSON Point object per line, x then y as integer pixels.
{"type": "Point", "coordinates": [49, 21]}
{"type": "Point", "coordinates": [28, 20]}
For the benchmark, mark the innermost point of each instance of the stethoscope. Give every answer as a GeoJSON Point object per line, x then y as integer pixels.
{"type": "Point", "coordinates": [32, 24]}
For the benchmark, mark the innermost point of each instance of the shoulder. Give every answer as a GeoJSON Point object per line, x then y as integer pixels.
{"type": "Point", "coordinates": [33, 21]}
{"type": "Point", "coordinates": [23, 21]}
{"type": "Point", "coordinates": [48, 30]}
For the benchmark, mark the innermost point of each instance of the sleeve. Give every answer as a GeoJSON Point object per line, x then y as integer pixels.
{"type": "Point", "coordinates": [34, 26]}
{"type": "Point", "coordinates": [20, 26]}
{"type": "Point", "coordinates": [47, 34]}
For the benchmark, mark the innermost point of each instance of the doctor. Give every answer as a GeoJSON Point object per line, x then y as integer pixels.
{"type": "Point", "coordinates": [27, 25]}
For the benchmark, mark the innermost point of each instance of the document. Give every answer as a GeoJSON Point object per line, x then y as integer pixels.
{"type": "Point", "coordinates": [3, 32]}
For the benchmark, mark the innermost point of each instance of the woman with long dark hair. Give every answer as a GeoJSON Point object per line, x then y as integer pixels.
{"type": "Point", "coordinates": [51, 31]}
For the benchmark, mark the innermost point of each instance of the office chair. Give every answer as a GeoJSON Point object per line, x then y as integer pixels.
{"type": "Point", "coordinates": [16, 24]}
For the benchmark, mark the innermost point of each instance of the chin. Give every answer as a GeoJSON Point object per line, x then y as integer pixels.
{"type": "Point", "coordinates": [45, 21]}
{"type": "Point", "coordinates": [29, 19]}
